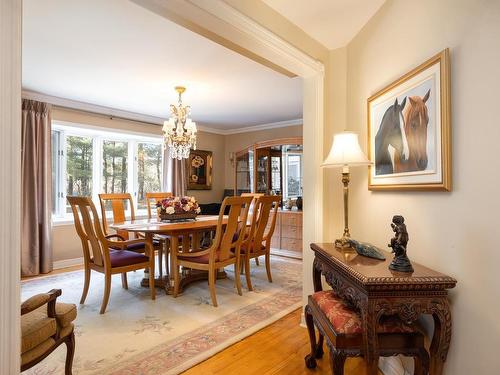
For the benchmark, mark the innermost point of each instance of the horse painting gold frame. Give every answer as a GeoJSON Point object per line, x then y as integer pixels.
{"type": "Point", "coordinates": [199, 170]}
{"type": "Point", "coordinates": [409, 130]}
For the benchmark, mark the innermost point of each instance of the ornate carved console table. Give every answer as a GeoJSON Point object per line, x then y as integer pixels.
{"type": "Point", "coordinates": [374, 290]}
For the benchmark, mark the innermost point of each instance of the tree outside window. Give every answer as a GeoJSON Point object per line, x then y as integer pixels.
{"type": "Point", "coordinates": [148, 170]}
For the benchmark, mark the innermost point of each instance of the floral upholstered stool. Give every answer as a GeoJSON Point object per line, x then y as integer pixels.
{"type": "Point", "coordinates": [341, 325]}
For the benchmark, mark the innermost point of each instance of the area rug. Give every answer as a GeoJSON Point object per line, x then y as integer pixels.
{"type": "Point", "coordinates": [138, 336]}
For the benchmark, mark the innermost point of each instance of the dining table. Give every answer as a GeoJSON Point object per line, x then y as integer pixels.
{"type": "Point", "coordinates": [184, 233]}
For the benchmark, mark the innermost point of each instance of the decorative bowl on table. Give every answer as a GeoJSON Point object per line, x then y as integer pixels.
{"type": "Point", "coordinates": [178, 208]}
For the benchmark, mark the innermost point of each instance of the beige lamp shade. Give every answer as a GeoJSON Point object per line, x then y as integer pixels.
{"type": "Point", "coordinates": [345, 151]}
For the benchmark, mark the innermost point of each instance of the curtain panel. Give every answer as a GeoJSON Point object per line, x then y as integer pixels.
{"type": "Point", "coordinates": [36, 186]}
{"type": "Point", "coordinates": [174, 174]}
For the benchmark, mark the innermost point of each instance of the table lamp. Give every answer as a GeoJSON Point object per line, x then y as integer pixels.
{"type": "Point", "coordinates": [345, 153]}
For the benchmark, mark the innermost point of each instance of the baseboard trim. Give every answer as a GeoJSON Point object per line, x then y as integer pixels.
{"type": "Point", "coordinates": [65, 263]}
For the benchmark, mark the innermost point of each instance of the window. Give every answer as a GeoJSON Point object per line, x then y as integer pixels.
{"type": "Point", "coordinates": [149, 162]}
{"type": "Point", "coordinates": [293, 174]}
{"type": "Point", "coordinates": [87, 162]}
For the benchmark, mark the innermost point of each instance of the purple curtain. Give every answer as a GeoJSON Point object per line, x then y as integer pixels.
{"type": "Point", "coordinates": [36, 186]}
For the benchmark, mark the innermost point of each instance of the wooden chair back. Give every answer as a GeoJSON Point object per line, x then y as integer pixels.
{"type": "Point", "coordinates": [231, 235]}
{"type": "Point", "coordinates": [254, 196]}
{"type": "Point", "coordinates": [154, 198]}
{"type": "Point", "coordinates": [266, 208]}
{"type": "Point", "coordinates": [118, 203]}
{"type": "Point", "coordinates": [88, 227]}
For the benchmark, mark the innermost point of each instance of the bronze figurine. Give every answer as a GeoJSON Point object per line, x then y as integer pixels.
{"type": "Point", "coordinates": [400, 263]}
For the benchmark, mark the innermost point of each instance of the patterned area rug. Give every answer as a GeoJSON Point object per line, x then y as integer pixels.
{"type": "Point", "coordinates": [139, 336]}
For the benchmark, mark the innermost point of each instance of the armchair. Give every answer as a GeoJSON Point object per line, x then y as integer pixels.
{"type": "Point", "coordinates": [44, 329]}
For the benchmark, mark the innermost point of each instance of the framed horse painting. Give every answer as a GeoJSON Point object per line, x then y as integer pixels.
{"type": "Point", "coordinates": [409, 135]}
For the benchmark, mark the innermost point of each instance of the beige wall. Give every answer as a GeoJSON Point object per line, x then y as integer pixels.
{"type": "Point", "coordinates": [238, 142]}
{"type": "Point", "coordinates": [451, 232]}
{"type": "Point", "coordinates": [66, 244]}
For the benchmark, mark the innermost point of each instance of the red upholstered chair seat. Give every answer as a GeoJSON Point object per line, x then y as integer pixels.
{"type": "Point", "coordinates": [243, 249]}
{"type": "Point", "coordinates": [347, 321]}
{"type": "Point", "coordinates": [203, 259]}
{"type": "Point", "coordinates": [121, 258]}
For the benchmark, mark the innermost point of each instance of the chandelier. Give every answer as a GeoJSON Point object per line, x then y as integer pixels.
{"type": "Point", "coordinates": [179, 132]}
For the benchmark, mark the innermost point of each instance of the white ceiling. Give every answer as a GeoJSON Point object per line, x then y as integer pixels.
{"type": "Point", "coordinates": [333, 23]}
{"type": "Point", "coordinates": [117, 54]}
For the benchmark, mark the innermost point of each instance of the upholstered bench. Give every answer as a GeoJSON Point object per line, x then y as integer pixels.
{"type": "Point", "coordinates": [45, 325]}
{"type": "Point", "coordinates": [341, 325]}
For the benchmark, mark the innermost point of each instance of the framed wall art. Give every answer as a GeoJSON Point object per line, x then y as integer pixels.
{"type": "Point", "coordinates": [409, 130]}
{"type": "Point", "coordinates": [199, 170]}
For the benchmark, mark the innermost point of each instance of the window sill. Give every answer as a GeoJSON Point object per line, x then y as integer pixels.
{"type": "Point", "coordinates": [68, 220]}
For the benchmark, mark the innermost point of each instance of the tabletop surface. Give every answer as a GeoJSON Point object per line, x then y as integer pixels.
{"type": "Point", "coordinates": [154, 225]}
{"type": "Point", "coordinates": [370, 271]}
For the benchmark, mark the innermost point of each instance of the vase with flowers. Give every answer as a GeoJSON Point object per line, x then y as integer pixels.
{"type": "Point", "coordinates": [178, 208]}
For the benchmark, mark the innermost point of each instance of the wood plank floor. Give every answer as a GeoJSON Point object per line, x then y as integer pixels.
{"type": "Point", "coordinates": [279, 348]}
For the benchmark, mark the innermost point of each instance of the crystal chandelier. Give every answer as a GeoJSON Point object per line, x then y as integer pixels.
{"type": "Point", "coordinates": [179, 132]}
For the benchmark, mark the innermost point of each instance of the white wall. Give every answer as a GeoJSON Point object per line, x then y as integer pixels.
{"type": "Point", "coordinates": [455, 233]}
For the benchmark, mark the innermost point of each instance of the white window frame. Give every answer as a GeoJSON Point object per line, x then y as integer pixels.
{"type": "Point", "coordinates": [98, 135]}
{"type": "Point", "coordinates": [285, 173]}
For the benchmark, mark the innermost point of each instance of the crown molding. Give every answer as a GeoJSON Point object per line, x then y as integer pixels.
{"type": "Point", "coordinates": [304, 65]}
{"type": "Point", "coordinates": [271, 125]}
{"type": "Point", "coordinates": [134, 116]}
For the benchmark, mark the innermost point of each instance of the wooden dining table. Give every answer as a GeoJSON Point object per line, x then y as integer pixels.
{"type": "Point", "coordinates": [188, 232]}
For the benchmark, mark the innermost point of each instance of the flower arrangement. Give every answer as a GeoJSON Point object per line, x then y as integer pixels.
{"type": "Point", "coordinates": [178, 208]}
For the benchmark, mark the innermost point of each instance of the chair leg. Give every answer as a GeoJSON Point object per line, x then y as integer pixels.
{"type": "Point", "coordinates": [107, 290]}
{"type": "Point", "coordinates": [310, 359]}
{"type": "Point", "coordinates": [319, 347]}
{"type": "Point", "coordinates": [237, 279]}
{"type": "Point", "coordinates": [160, 261]}
{"type": "Point", "coordinates": [175, 270]}
{"type": "Point", "coordinates": [152, 286]}
{"type": "Point", "coordinates": [70, 353]}
{"type": "Point", "coordinates": [247, 273]}
{"type": "Point", "coordinates": [268, 267]}
{"type": "Point", "coordinates": [212, 274]}
{"type": "Point", "coordinates": [257, 261]}
{"type": "Point", "coordinates": [85, 285]}
{"type": "Point", "coordinates": [124, 281]}
{"type": "Point", "coordinates": [337, 361]}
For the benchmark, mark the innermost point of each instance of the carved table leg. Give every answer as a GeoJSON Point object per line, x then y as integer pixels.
{"type": "Point", "coordinates": [337, 361]}
{"type": "Point", "coordinates": [370, 318]}
{"type": "Point", "coordinates": [442, 335]}
{"type": "Point", "coordinates": [317, 276]}
{"type": "Point", "coordinates": [310, 358]}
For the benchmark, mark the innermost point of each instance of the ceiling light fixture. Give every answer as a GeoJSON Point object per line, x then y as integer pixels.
{"type": "Point", "coordinates": [179, 132]}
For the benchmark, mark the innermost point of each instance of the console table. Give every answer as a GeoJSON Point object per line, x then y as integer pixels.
{"type": "Point", "coordinates": [374, 290]}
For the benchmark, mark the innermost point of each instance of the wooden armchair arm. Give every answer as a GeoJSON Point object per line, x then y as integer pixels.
{"type": "Point", "coordinates": [115, 235]}
{"type": "Point", "coordinates": [193, 253]}
{"type": "Point", "coordinates": [41, 299]}
{"type": "Point", "coordinates": [123, 244]}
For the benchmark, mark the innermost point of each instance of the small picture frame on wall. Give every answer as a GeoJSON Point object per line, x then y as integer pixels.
{"type": "Point", "coordinates": [199, 170]}
{"type": "Point", "coordinates": [409, 130]}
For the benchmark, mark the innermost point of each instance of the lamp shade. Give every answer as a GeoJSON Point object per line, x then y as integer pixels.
{"type": "Point", "coordinates": [345, 151]}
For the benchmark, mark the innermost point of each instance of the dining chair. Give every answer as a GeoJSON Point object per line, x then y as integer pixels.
{"type": "Point", "coordinates": [219, 254]}
{"type": "Point", "coordinates": [258, 241]}
{"type": "Point", "coordinates": [255, 196]}
{"type": "Point", "coordinates": [103, 255]}
{"type": "Point", "coordinates": [153, 198]}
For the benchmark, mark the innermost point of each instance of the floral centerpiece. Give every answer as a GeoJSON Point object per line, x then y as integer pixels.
{"type": "Point", "coordinates": [178, 208]}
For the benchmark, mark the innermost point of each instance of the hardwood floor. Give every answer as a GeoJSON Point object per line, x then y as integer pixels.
{"type": "Point", "coordinates": [277, 349]}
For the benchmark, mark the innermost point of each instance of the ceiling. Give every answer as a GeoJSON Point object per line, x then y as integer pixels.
{"type": "Point", "coordinates": [117, 54]}
{"type": "Point", "coordinates": [333, 23]}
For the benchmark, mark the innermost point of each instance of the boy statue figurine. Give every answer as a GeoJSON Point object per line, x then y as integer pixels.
{"type": "Point", "coordinates": [400, 263]}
